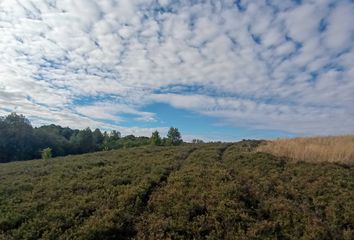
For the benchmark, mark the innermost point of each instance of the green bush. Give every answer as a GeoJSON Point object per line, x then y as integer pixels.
{"type": "Point", "coordinates": [46, 153]}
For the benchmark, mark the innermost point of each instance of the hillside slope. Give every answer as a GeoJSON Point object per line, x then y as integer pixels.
{"type": "Point", "coordinates": [210, 191]}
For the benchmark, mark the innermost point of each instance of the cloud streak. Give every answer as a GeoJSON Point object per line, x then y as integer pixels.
{"type": "Point", "coordinates": [277, 65]}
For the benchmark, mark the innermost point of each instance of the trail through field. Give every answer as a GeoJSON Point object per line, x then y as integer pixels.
{"type": "Point", "coordinates": [155, 186]}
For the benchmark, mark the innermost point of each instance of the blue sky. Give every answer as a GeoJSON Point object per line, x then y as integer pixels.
{"type": "Point", "coordinates": [217, 70]}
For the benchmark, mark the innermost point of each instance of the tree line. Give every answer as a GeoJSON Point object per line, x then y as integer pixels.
{"type": "Point", "coordinates": [20, 141]}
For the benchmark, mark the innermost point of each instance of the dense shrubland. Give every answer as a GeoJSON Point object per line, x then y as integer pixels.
{"type": "Point", "coordinates": [91, 196]}
{"type": "Point", "coordinates": [230, 192]}
{"type": "Point", "coordinates": [196, 191]}
{"type": "Point", "coordinates": [20, 141]}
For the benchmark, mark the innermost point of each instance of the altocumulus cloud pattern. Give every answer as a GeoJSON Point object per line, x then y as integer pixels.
{"type": "Point", "coordinates": [263, 64]}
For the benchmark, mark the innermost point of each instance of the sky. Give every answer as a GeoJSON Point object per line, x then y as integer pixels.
{"type": "Point", "coordinates": [216, 70]}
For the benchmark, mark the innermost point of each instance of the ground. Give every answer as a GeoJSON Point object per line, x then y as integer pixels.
{"type": "Point", "coordinates": [206, 191]}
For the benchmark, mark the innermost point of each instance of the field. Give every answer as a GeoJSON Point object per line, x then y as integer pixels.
{"type": "Point", "coordinates": [201, 191]}
{"type": "Point", "coordinates": [336, 149]}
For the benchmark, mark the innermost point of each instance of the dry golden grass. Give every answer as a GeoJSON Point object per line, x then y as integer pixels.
{"type": "Point", "coordinates": [337, 149]}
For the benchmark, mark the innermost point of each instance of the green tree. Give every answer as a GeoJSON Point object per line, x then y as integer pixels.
{"type": "Point", "coordinates": [49, 136]}
{"type": "Point", "coordinates": [46, 153]}
{"type": "Point", "coordinates": [83, 142]}
{"type": "Point", "coordinates": [16, 138]}
{"type": "Point", "coordinates": [155, 138]}
{"type": "Point", "coordinates": [174, 137]}
{"type": "Point", "coordinates": [98, 138]}
{"type": "Point", "coordinates": [114, 135]}
{"type": "Point", "coordinates": [197, 141]}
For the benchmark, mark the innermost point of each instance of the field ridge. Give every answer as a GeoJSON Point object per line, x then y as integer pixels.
{"type": "Point", "coordinates": [154, 187]}
{"type": "Point", "coordinates": [222, 151]}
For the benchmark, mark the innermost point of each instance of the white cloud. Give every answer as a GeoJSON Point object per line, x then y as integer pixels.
{"type": "Point", "coordinates": [340, 31]}
{"type": "Point", "coordinates": [270, 66]}
{"type": "Point", "coordinates": [111, 111]}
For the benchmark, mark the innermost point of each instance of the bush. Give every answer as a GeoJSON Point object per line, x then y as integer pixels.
{"type": "Point", "coordinates": [46, 153]}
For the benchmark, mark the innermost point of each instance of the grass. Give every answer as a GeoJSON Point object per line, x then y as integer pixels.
{"type": "Point", "coordinates": [207, 191]}
{"type": "Point", "coordinates": [336, 149]}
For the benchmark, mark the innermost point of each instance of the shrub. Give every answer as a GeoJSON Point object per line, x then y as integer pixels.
{"type": "Point", "coordinates": [46, 153]}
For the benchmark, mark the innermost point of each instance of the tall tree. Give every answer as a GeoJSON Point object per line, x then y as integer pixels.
{"type": "Point", "coordinates": [155, 138]}
{"type": "Point", "coordinates": [83, 142]}
{"type": "Point", "coordinates": [98, 138]}
{"type": "Point", "coordinates": [16, 138]}
{"type": "Point", "coordinates": [174, 137]}
{"type": "Point", "coordinates": [114, 135]}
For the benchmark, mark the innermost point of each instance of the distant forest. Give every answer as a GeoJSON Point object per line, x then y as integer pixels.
{"type": "Point", "coordinates": [20, 141]}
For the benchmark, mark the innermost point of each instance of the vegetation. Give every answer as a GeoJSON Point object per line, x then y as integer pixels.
{"type": "Point", "coordinates": [338, 149]}
{"type": "Point", "coordinates": [20, 141]}
{"type": "Point", "coordinates": [155, 138]}
{"type": "Point", "coordinates": [174, 137]}
{"type": "Point", "coordinates": [46, 153]}
{"type": "Point", "coordinates": [90, 196]}
{"type": "Point", "coordinates": [195, 191]}
{"type": "Point", "coordinates": [197, 141]}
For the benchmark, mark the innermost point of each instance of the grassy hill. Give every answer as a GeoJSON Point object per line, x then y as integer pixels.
{"type": "Point", "coordinates": [208, 191]}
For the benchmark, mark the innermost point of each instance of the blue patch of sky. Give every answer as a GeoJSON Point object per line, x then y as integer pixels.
{"type": "Point", "coordinates": [38, 76]}
{"type": "Point", "coordinates": [333, 66]}
{"type": "Point", "coordinates": [323, 25]}
{"type": "Point", "coordinates": [343, 51]}
{"type": "Point", "coordinates": [273, 6]}
{"type": "Point", "coordinates": [298, 2]}
{"type": "Point", "coordinates": [180, 88]}
{"type": "Point", "coordinates": [30, 99]}
{"type": "Point", "coordinates": [195, 124]}
{"type": "Point", "coordinates": [191, 22]}
{"type": "Point", "coordinates": [8, 110]}
{"type": "Point", "coordinates": [158, 9]}
{"type": "Point", "coordinates": [54, 63]}
{"type": "Point", "coordinates": [188, 122]}
{"type": "Point", "coordinates": [239, 5]}
{"type": "Point", "coordinates": [314, 76]}
{"type": "Point", "coordinates": [298, 45]}
{"type": "Point", "coordinates": [198, 89]}
{"type": "Point", "coordinates": [193, 89]}
{"type": "Point", "coordinates": [168, 116]}
{"type": "Point", "coordinates": [233, 40]}
{"type": "Point", "coordinates": [90, 100]}
{"type": "Point", "coordinates": [257, 39]}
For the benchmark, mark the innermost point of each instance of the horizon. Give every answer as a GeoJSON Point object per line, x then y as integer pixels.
{"type": "Point", "coordinates": [218, 70]}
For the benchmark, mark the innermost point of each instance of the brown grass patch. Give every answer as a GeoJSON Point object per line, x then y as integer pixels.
{"type": "Point", "coordinates": [336, 149]}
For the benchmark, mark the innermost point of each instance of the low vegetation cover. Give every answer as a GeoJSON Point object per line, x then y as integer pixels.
{"type": "Point", "coordinates": [92, 196]}
{"type": "Point", "coordinates": [336, 149]}
{"type": "Point", "coordinates": [196, 191]}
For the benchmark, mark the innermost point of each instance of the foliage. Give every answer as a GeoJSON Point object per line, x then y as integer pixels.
{"type": "Point", "coordinates": [92, 196]}
{"type": "Point", "coordinates": [83, 142]}
{"type": "Point", "coordinates": [46, 153]}
{"type": "Point", "coordinates": [197, 141]}
{"type": "Point", "coordinates": [20, 141]}
{"type": "Point", "coordinates": [98, 139]}
{"type": "Point", "coordinates": [174, 137]}
{"type": "Point", "coordinates": [206, 191]}
{"type": "Point", "coordinates": [155, 138]}
{"type": "Point", "coordinates": [16, 138]}
{"type": "Point", "coordinates": [225, 191]}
